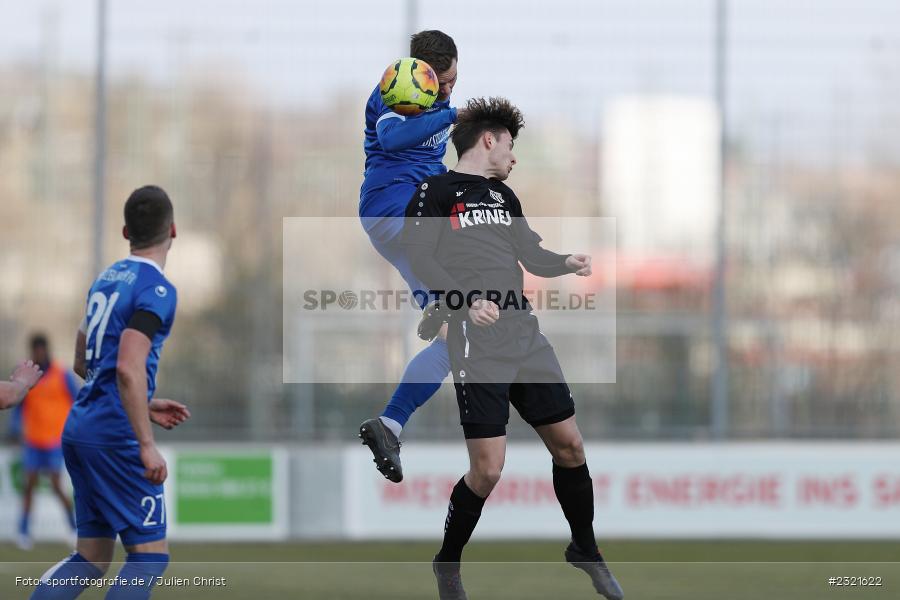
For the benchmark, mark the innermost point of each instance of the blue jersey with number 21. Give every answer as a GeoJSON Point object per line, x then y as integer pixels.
{"type": "Point", "coordinates": [135, 284]}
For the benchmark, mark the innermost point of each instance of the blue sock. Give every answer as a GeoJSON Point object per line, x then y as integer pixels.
{"type": "Point", "coordinates": [24, 522]}
{"type": "Point", "coordinates": [64, 588]}
{"type": "Point", "coordinates": [422, 378]}
{"type": "Point", "coordinates": [143, 566]}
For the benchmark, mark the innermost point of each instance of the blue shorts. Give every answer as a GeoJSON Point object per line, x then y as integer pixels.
{"type": "Point", "coordinates": [42, 459]}
{"type": "Point", "coordinates": [382, 214]}
{"type": "Point", "coordinates": [112, 496]}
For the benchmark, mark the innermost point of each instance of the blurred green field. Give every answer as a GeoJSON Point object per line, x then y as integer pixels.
{"type": "Point", "coordinates": [698, 570]}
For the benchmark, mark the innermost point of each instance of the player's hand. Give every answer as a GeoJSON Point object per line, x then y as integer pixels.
{"type": "Point", "coordinates": [168, 413]}
{"type": "Point", "coordinates": [580, 264]}
{"type": "Point", "coordinates": [155, 465]}
{"type": "Point", "coordinates": [27, 374]}
{"type": "Point", "coordinates": [484, 312]}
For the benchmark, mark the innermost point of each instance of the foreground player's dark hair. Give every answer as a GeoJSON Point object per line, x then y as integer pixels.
{"type": "Point", "coordinates": [480, 115]}
{"type": "Point", "coordinates": [434, 47]}
{"type": "Point", "coordinates": [148, 216]}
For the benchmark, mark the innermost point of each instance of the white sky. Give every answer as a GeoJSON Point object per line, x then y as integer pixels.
{"type": "Point", "coordinates": [811, 73]}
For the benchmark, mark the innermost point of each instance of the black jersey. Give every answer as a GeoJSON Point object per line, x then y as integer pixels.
{"type": "Point", "coordinates": [468, 234]}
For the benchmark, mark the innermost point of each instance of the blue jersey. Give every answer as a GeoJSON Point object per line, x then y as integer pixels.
{"type": "Point", "coordinates": [135, 284]}
{"type": "Point", "coordinates": [401, 150]}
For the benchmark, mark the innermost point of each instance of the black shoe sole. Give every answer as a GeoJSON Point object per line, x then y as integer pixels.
{"type": "Point", "coordinates": [433, 318]}
{"type": "Point", "coordinates": [383, 463]}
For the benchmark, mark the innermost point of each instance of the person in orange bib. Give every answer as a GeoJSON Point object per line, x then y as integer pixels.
{"type": "Point", "coordinates": [44, 413]}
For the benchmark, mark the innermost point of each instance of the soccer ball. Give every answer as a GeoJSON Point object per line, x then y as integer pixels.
{"type": "Point", "coordinates": [409, 86]}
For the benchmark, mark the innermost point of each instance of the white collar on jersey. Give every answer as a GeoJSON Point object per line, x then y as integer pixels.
{"type": "Point", "coordinates": [146, 261]}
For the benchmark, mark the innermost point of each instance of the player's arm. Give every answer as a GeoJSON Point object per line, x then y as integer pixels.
{"type": "Point", "coordinates": [79, 365]}
{"type": "Point", "coordinates": [396, 132]}
{"type": "Point", "coordinates": [131, 378]}
{"type": "Point", "coordinates": [12, 392]}
{"type": "Point", "coordinates": [539, 261]}
{"type": "Point", "coordinates": [546, 263]}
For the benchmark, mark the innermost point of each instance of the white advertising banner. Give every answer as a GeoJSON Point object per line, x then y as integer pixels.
{"type": "Point", "coordinates": [780, 490]}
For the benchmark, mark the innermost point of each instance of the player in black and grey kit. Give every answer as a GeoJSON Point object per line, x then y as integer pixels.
{"type": "Point", "coordinates": [467, 237]}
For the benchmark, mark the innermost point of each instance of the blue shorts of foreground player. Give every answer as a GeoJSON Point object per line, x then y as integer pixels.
{"type": "Point", "coordinates": [381, 213]}
{"type": "Point", "coordinates": [112, 496]}
{"type": "Point", "coordinates": [48, 460]}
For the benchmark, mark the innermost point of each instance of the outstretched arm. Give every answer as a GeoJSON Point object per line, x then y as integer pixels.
{"type": "Point", "coordinates": [536, 259]}
{"type": "Point", "coordinates": [545, 263]}
{"type": "Point", "coordinates": [23, 378]}
{"type": "Point", "coordinates": [396, 132]}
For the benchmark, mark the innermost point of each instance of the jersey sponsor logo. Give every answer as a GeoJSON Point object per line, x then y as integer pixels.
{"type": "Point", "coordinates": [462, 216]}
{"type": "Point", "coordinates": [437, 139]}
{"type": "Point", "coordinates": [460, 193]}
{"type": "Point", "coordinates": [496, 196]}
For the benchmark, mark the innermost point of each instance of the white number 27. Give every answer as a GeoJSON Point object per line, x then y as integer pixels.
{"type": "Point", "coordinates": [151, 500]}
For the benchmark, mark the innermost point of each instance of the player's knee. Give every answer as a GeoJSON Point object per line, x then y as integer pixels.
{"type": "Point", "coordinates": [492, 475]}
{"type": "Point", "coordinates": [101, 562]}
{"type": "Point", "coordinates": [97, 551]}
{"type": "Point", "coordinates": [486, 477]}
{"type": "Point", "coordinates": [569, 453]}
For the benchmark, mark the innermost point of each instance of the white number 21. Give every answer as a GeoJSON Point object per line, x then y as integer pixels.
{"type": "Point", "coordinates": [99, 310]}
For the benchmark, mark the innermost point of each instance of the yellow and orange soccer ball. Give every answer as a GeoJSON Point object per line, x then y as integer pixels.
{"type": "Point", "coordinates": [409, 86]}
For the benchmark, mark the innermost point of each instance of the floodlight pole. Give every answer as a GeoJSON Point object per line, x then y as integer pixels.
{"type": "Point", "coordinates": [99, 138]}
{"type": "Point", "coordinates": [719, 413]}
{"type": "Point", "coordinates": [412, 18]}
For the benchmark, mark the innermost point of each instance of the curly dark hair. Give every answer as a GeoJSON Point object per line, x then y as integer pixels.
{"type": "Point", "coordinates": [480, 115]}
{"type": "Point", "coordinates": [434, 47]}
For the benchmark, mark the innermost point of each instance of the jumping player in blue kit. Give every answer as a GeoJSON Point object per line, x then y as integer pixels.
{"type": "Point", "coordinates": [116, 469]}
{"type": "Point", "coordinates": [400, 153]}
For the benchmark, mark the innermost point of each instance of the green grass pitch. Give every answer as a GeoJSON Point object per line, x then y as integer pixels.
{"type": "Point", "coordinates": [658, 570]}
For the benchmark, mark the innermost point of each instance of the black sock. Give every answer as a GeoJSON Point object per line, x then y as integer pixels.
{"type": "Point", "coordinates": [575, 493]}
{"type": "Point", "coordinates": [462, 516]}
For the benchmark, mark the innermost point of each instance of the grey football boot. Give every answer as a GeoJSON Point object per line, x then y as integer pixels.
{"type": "Point", "coordinates": [385, 448]}
{"type": "Point", "coordinates": [604, 582]}
{"type": "Point", "coordinates": [449, 581]}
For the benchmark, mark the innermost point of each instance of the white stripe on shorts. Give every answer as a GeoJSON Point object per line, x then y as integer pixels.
{"type": "Point", "coordinates": [465, 337]}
